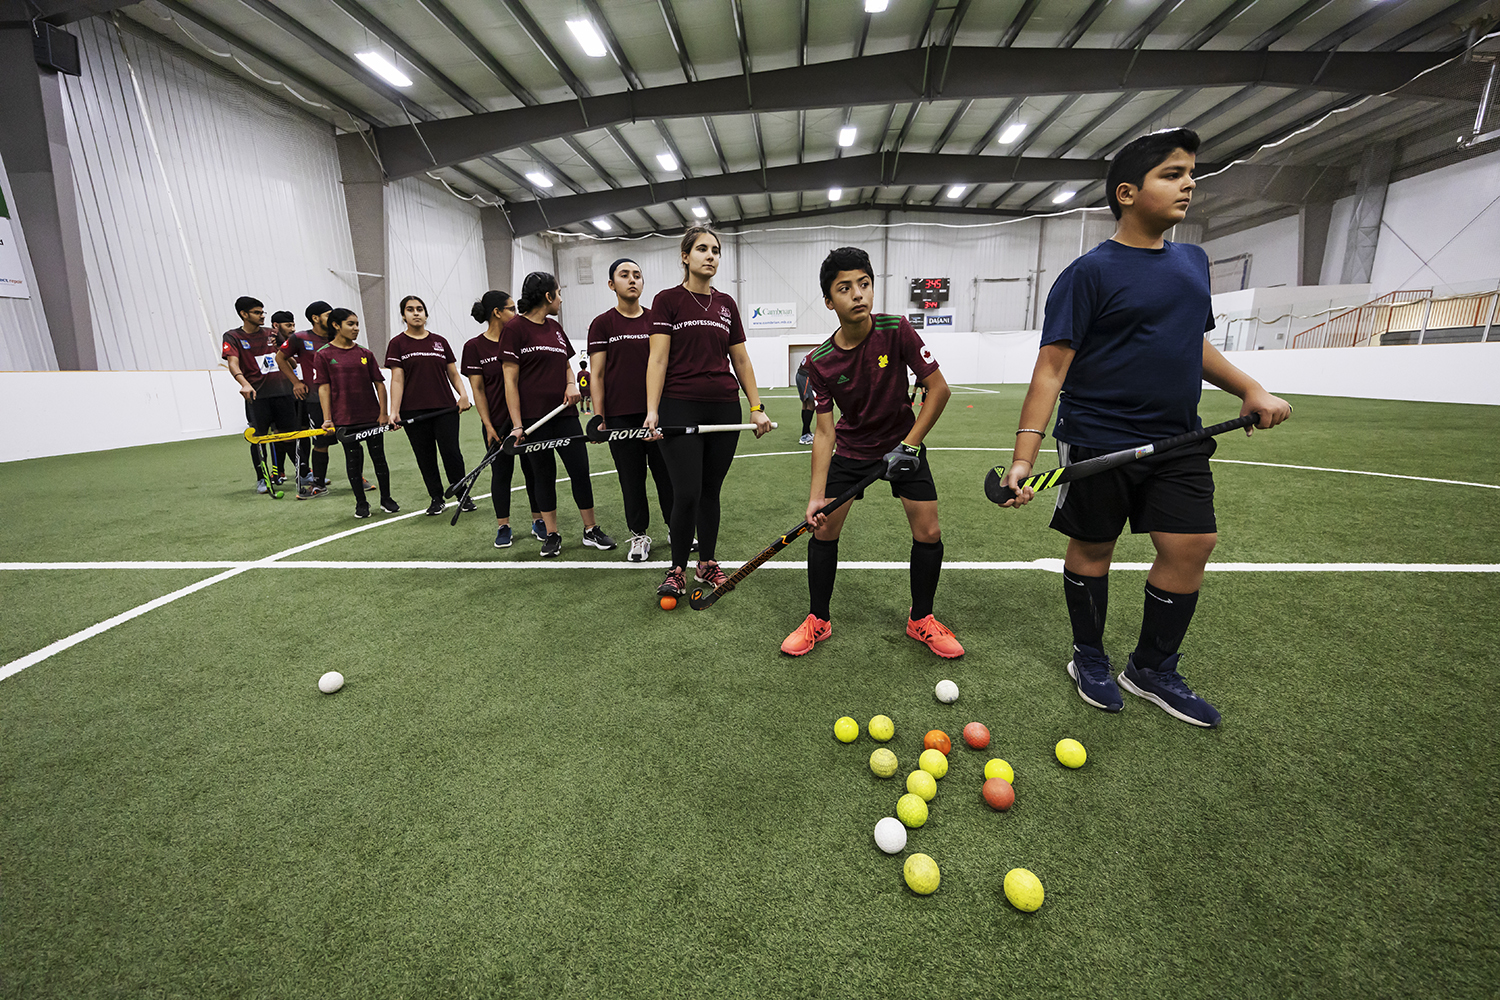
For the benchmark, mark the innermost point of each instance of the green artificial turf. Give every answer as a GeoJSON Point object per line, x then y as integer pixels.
{"type": "Point", "coordinates": [537, 784]}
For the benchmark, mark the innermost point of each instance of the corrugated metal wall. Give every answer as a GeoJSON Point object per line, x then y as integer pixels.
{"type": "Point", "coordinates": [243, 200]}
{"type": "Point", "coordinates": [24, 342]}
{"type": "Point", "coordinates": [435, 250]}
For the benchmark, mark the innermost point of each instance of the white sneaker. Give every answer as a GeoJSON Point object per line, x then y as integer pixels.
{"type": "Point", "coordinates": [640, 548]}
{"type": "Point", "coordinates": [805, 439]}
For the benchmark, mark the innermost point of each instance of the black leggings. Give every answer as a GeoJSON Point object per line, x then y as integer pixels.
{"type": "Point", "coordinates": [354, 465]}
{"type": "Point", "coordinates": [698, 464]}
{"type": "Point", "coordinates": [427, 437]}
{"type": "Point", "coordinates": [632, 458]}
{"type": "Point", "coordinates": [575, 458]}
{"type": "Point", "coordinates": [502, 470]}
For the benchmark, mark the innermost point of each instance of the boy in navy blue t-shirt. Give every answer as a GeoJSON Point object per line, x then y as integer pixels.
{"type": "Point", "coordinates": [1123, 345]}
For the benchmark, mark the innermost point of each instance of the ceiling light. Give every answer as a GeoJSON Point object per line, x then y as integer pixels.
{"type": "Point", "coordinates": [383, 68]}
{"type": "Point", "coordinates": [957, 190]}
{"type": "Point", "coordinates": [538, 178]}
{"type": "Point", "coordinates": [700, 211]}
{"type": "Point", "coordinates": [667, 161]}
{"type": "Point", "coordinates": [834, 194]}
{"type": "Point", "coordinates": [876, 6]}
{"type": "Point", "coordinates": [1012, 133]}
{"type": "Point", "coordinates": [602, 225]}
{"type": "Point", "coordinates": [1063, 197]}
{"type": "Point", "coordinates": [847, 134]}
{"type": "Point", "coordinates": [588, 36]}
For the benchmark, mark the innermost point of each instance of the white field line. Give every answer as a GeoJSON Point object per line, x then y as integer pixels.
{"type": "Point", "coordinates": [274, 561]}
{"type": "Point", "coordinates": [1046, 565]}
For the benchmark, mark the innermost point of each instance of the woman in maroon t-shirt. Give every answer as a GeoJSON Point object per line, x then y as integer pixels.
{"type": "Point", "coordinates": [423, 369]}
{"type": "Point", "coordinates": [538, 376]}
{"type": "Point", "coordinates": [344, 373]}
{"type": "Point", "coordinates": [485, 368]}
{"type": "Point", "coordinates": [696, 336]}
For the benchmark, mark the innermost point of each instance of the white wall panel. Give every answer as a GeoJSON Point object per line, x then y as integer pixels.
{"type": "Point", "coordinates": [434, 250]}
{"type": "Point", "coordinates": [238, 195]}
{"type": "Point", "coordinates": [1442, 229]}
{"type": "Point", "coordinates": [1273, 250]}
{"type": "Point", "coordinates": [25, 344]}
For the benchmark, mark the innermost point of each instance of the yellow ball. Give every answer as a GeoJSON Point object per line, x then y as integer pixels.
{"type": "Point", "coordinates": [911, 810]}
{"type": "Point", "coordinates": [883, 763]}
{"type": "Point", "coordinates": [923, 784]}
{"type": "Point", "coordinates": [933, 762]}
{"type": "Point", "coordinates": [1070, 753]}
{"type": "Point", "coordinates": [997, 768]}
{"type": "Point", "coordinates": [921, 874]}
{"type": "Point", "coordinates": [846, 729]}
{"type": "Point", "coordinates": [882, 728]}
{"type": "Point", "coordinates": [1023, 889]}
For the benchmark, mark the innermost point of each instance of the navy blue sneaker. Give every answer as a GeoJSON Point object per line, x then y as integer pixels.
{"type": "Point", "coordinates": [539, 530]}
{"type": "Point", "coordinates": [502, 537]}
{"type": "Point", "coordinates": [1089, 669]}
{"type": "Point", "coordinates": [1166, 689]}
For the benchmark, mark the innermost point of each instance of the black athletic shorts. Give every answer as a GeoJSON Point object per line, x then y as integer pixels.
{"type": "Point", "coordinates": [310, 408]}
{"type": "Point", "coordinates": [846, 473]}
{"type": "Point", "coordinates": [1171, 492]}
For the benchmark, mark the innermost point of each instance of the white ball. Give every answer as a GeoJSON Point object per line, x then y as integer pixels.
{"type": "Point", "coordinates": [890, 835]}
{"type": "Point", "coordinates": [947, 692]}
{"type": "Point", "coordinates": [330, 682]}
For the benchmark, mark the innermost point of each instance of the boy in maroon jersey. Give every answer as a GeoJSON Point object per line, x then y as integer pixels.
{"type": "Point", "coordinates": [619, 347]}
{"type": "Point", "coordinates": [294, 358]}
{"type": "Point", "coordinates": [250, 352]}
{"type": "Point", "coordinates": [351, 388]}
{"type": "Point", "coordinates": [862, 369]}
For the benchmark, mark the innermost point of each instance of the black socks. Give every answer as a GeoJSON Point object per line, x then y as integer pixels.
{"type": "Point", "coordinates": [926, 566]}
{"type": "Point", "coordinates": [807, 418]}
{"type": "Point", "coordinates": [1163, 625]}
{"type": "Point", "coordinates": [1088, 600]}
{"type": "Point", "coordinates": [822, 566]}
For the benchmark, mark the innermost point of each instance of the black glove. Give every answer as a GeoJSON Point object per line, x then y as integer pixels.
{"type": "Point", "coordinates": [901, 462]}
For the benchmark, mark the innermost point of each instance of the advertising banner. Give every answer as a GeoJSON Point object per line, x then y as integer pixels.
{"type": "Point", "coordinates": [773, 316]}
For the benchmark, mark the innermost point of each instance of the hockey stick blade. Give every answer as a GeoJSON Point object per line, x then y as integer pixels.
{"type": "Point", "coordinates": [996, 491]}
{"type": "Point", "coordinates": [284, 436]}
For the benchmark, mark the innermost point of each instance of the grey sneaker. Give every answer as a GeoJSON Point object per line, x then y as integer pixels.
{"type": "Point", "coordinates": [805, 439]}
{"type": "Point", "coordinates": [1166, 689]}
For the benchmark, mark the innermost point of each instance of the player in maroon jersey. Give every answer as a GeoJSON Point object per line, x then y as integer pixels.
{"type": "Point", "coordinates": [862, 370]}
{"type": "Point", "coordinates": [351, 390]}
{"type": "Point", "coordinates": [619, 347]}
{"type": "Point", "coordinates": [536, 352]}
{"type": "Point", "coordinates": [250, 352]}
{"type": "Point", "coordinates": [485, 368]}
{"type": "Point", "coordinates": [696, 337]}
{"type": "Point", "coordinates": [423, 369]}
{"type": "Point", "coordinates": [294, 358]}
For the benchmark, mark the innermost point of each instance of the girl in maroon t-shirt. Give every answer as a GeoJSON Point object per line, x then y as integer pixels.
{"type": "Point", "coordinates": [538, 376]}
{"type": "Point", "coordinates": [423, 369]}
{"type": "Point", "coordinates": [344, 373]}
{"type": "Point", "coordinates": [485, 368]}
{"type": "Point", "coordinates": [696, 336]}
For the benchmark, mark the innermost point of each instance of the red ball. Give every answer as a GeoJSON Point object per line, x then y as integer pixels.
{"type": "Point", "coordinates": [668, 603]}
{"type": "Point", "coordinates": [999, 794]}
{"type": "Point", "coordinates": [937, 740]}
{"type": "Point", "coordinates": [977, 735]}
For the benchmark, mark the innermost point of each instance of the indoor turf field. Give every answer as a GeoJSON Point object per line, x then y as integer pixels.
{"type": "Point", "coordinates": [538, 784]}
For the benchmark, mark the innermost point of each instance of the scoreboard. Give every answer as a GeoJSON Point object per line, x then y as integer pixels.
{"type": "Point", "coordinates": [929, 293]}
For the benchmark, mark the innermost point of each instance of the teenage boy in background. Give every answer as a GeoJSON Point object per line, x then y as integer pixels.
{"type": "Point", "coordinates": [250, 352]}
{"type": "Point", "coordinates": [1123, 343]}
{"type": "Point", "coordinates": [862, 370]}
{"type": "Point", "coordinates": [294, 358]}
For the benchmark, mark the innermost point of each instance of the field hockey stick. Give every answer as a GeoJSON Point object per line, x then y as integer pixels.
{"type": "Point", "coordinates": [282, 436]}
{"type": "Point", "coordinates": [994, 480]}
{"type": "Point", "coordinates": [265, 470]}
{"type": "Point", "coordinates": [464, 485]}
{"type": "Point", "coordinates": [347, 434]}
{"type": "Point", "coordinates": [597, 434]}
{"type": "Point", "coordinates": [701, 600]}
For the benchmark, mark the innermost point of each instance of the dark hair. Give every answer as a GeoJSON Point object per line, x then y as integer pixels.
{"type": "Point", "coordinates": [583, 362]}
{"type": "Point", "coordinates": [317, 308]}
{"type": "Point", "coordinates": [690, 237]}
{"type": "Point", "coordinates": [282, 316]}
{"type": "Point", "coordinates": [535, 289]}
{"type": "Point", "coordinates": [245, 303]}
{"type": "Point", "coordinates": [1142, 155]}
{"type": "Point", "coordinates": [843, 259]}
{"type": "Point", "coordinates": [336, 317]}
{"type": "Point", "coordinates": [487, 304]}
{"type": "Point", "coordinates": [410, 298]}
{"type": "Point", "coordinates": [622, 260]}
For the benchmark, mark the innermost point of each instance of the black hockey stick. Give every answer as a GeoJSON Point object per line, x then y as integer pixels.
{"type": "Point", "coordinates": [597, 434]}
{"type": "Point", "coordinates": [994, 480]}
{"type": "Point", "coordinates": [347, 434]}
{"type": "Point", "coordinates": [464, 485]}
{"type": "Point", "coordinates": [701, 599]}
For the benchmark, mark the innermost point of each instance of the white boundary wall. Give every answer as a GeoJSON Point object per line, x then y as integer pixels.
{"type": "Point", "coordinates": [159, 407]}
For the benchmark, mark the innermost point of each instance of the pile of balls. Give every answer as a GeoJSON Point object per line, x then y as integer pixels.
{"type": "Point", "coordinates": [1022, 887]}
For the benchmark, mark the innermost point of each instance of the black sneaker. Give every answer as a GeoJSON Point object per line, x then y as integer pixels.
{"type": "Point", "coordinates": [361, 509]}
{"type": "Point", "coordinates": [389, 506]}
{"type": "Point", "coordinates": [468, 506]}
{"type": "Point", "coordinates": [539, 530]}
{"type": "Point", "coordinates": [1166, 689]}
{"type": "Point", "coordinates": [1090, 670]}
{"type": "Point", "coordinates": [596, 537]}
{"type": "Point", "coordinates": [435, 508]}
{"type": "Point", "coordinates": [552, 546]}
{"type": "Point", "coordinates": [502, 537]}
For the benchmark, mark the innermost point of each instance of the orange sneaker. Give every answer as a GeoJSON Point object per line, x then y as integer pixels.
{"type": "Point", "coordinates": [938, 637]}
{"type": "Point", "coordinates": [808, 635]}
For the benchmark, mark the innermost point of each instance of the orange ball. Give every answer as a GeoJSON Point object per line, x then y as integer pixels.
{"type": "Point", "coordinates": [937, 740]}
{"type": "Point", "coordinates": [668, 603]}
{"type": "Point", "coordinates": [999, 794]}
{"type": "Point", "coordinates": [977, 735]}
